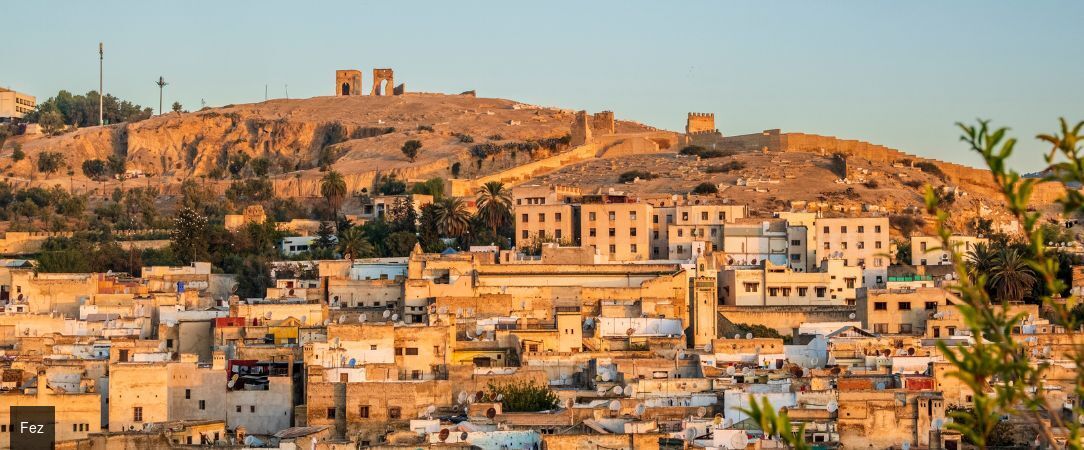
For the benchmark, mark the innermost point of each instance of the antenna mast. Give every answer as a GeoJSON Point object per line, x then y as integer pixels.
{"type": "Point", "coordinates": [161, 85]}
{"type": "Point", "coordinates": [101, 84]}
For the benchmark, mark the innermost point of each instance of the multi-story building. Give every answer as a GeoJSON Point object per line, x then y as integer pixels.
{"type": "Point", "coordinates": [901, 311]}
{"type": "Point", "coordinates": [858, 241]}
{"type": "Point", "coordinates": [775, 285]}
{"type": "Point", "coordinates": [617, 225]}
{"type": "Point", "coordinates": [928, 250]}
{"type": "Point", "coordinates": [546, 214]}
{"type": "Point", "coordinates": [750, 242]}
{"type": "Point", "coordinates": [15, 105]}
{"type": "Point", "coordinates": [676, 230]}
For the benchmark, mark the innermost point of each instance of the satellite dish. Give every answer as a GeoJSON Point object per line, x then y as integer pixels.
{"type": "Point", "coordinates": [304, 319]}
{"type": "Point", "coordinates": [615, 406]}
{"type": "Point", "coordinates": [353, 362]}
{"type": "Point", "coordinates": [701, 412]}
{"type": "Point", "coordinates": [851, 315]}
{"type": "Point", "coordinates": [463, 436]}
{"type": "Point", "coordinates": [618, 390]}
{"type": "Point", "coordinates": [443, 435]}
{"type": "Point", "coordinates": [387, 313]}
{"type": "Point", "coordinates": [833, 406]}
{"type": "Point", "coordinates": [640, 410]}
{"type": "Point", "coordinates": [327, 322]}
{"type": "Point", "coordinates": [491, 413]}
{"type": "Point", "coordinates": [479, 396]}
{"type": "Point", "coordinates": [500, 397]}
{"type": "Point", "coordinates": [267, 315]}
{"type": "Point", "coordinates": [394, 317]}
{"type": "Point", "coordinates": [748, 335]}
{"type": "Point", "coordinates": [459, 312]}
{"type": "Point", "coordinates": [730, 370]}
{"type": "Point", "coordinates": [605, 376]}
{"type": "Point", "coordinates": [462, 397]}
{"type": "Point", "coordinates": [690, 434]}
{"type": "Point", "coordinates": [363, 317]}
{"type": "Point", "coordinates": [342, 319]}
{"type": "Point", "coordinates": [814, 361]}
{"type": "Point", "coordinates": [708, 347]}
{"type": "Point", "coordinates": [738, 441]}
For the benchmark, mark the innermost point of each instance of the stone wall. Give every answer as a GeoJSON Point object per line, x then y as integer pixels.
{"type": "Point", "coordinates": [700, 122]}
{"type": "Point", "coordinates": [785, 319]}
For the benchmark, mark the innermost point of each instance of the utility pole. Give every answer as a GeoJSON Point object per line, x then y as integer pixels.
{"type": "Point", "coordinates": [161, 85]}
{"type": "Point", "coordinates": [101, 85]}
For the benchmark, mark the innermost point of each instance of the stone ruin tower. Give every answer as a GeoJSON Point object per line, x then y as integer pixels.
{"type": "Point", "coordinates": [581, 130]}
{"type": "Point", "coordinates": [347, 82]}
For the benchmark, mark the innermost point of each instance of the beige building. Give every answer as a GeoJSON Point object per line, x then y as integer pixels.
{"type": "Point", "coordinates": [928, 250]}
{"type": "Point", "coordinates": [858, 241]}
{"type": "Point", "coordinates": [77, 413]}
{"type": "Point", "coordinates": [779, 285]}
{"type": "Point", "coordinates": [901, 311]}
{"type": "Point", "coordinates": [15, 105]}
{"type": "Point", "coordinates": [616, 225]}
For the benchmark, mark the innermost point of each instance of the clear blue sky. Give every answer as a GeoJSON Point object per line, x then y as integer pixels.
{"type": "Point", "coordinates": [890, 72]}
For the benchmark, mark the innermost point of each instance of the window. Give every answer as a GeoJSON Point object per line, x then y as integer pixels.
{"type": "Point", "coordinates": [704, 215]}
{"type": "Point", "coordinates": [251, 408]}
{"type": "Point", "coordinates": [821, 291]}
{"type": "Point", "coordinates": [524, 217]}
{"type": "Point", "coordinates": [680, 249]}
{"type": "Point", "coordinates": [331, 413]}
{"type": "Point", "coordinates": [681, 232]}
{"type": "Point", "coordinates": [632, 215]}
{"type": "Point", "coordinates": [655, 234]}
{"type": "Point", "coordinates": [786, 292]}
{"type": "Point", "coordinates": [557, 234]}
{"type": "Point", "coordinates": [861, 245]}
{"type": "Point", "coordinates": [557, 217]}
{"type": "Point", "coordinates": [795, 242]}
{"type": "Point", "coordinates": [685, 216]}
{"type": "Point", "coordinates": [876, 244]}
{"type": "Point", "coordinates": [591, 216]}
{"type": "Point", "coordinates": [613, 249]}
{"type": "Point", "coordinates": [825, 230]}
{"type": "Point", "coordinates": [372, 347]}
{"type": "Point", "coordinates": [850, 282]}
{"type": "Point", "coordinates": [877, 229]}
{"type": "Point", "coordinates": [613, 232]}
{"type": "Point", "coordinates": [541, 217]}
{"type": "Point", "coordinates": [802, 292]}
{"type": "Point", "coordinates": [591, 232]}
{"type": "Point", "coordinates": [655, 218]}
{"type": "Point", "coordinates": [541, 234]}
{"type": "Point", "coordinates": [842, 229]}
{"type": "Point", "coordinates": [773, 292]}
{"type": "Point", "coordinates": [525, 234]}
{"type": "Point", "coordinates": [395, 412]}
{"type": "Point", "coordinates": [751, 287]}
{"type": "Point", "coordinates": [202, 405]}
{"type": "Point", "coordinates": [931, 306]}
{"type": "Point", "coordinates": [137, 414]}
{"type": "Point", "coordinates": [412, 351]}
{"type": "Point", "coordinates": [880, 328]}
{"type": "Point", "coordinates": [843, 245]}
{"type": "Point", "coordinates": [238, 408]}
{"type": "Point", "coordinates": [363, 411]}
{"type": "Point", "coordinates": [795, 257]}
{"type": "Point", "coordinates": [613, 216]}
{"type": "Point", "coordinates": [880, 306]}
{"type": "Point", "coordinates": [827, 245]}
{"type": "Point", "coordinates": [632, 248]}
{"type": "Point", "coordinates": [714, 232]}
{"type": "Point", "coordinates": [905, 306]}
{"type": "Point", "coordinates": [905, 328]}
{"type": "Point", "coordinates": [922, 246]}
{"type": "Point", "coordinates": [669, 218]}
{"type": "Point", "coordinates": [632, 232]}
{"type": "Point", "coordinates": [722, 216]}
{"type": "Point", "coordinates": [187, 394]}
{"type": "Point", "coordinates": [861, 229]}
{"type": "Point", "coordinates": [655, 251]}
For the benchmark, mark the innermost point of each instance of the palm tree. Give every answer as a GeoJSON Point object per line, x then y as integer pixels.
{"type": "Point", "coordinates": [333, 188]}
{"type": "Point", "coordinates": [1012, 278]}
{"type": "Point", "coordinates": [453, 219]}
{"type": "Point", "coordinates": [353, 244]}
{"type": "Point", "coordinates": [494, 205]}
{"type": "Point", "coordinates": [980, 261]}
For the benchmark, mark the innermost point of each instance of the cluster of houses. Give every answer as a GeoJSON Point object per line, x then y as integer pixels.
{"type": "Point", "coordinates": [638, 316]}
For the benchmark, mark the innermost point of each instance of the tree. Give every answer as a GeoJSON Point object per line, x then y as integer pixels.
{"type": "Point", "coordinates": [333, 189]}
{"type": "Point", "coordinates": [187, 238]}
{"type": "Point", "coordinates": [400, 243]}
{"type": "Point", "coordinates": [177, 107]}
{"type": "Point", "coordinates": [1011, 277]}
{"type": "Point", "coordinates": [94, 168]}
{"type": "Point", "coordinates": [903, 252]}
{"type": "Point", "coordinates": [706, 188]}
{"type": "Point", "coordinates": [452, 217]}
{"type": "Point", "coordinates": [117, 164]}
{"type": "Point", "coordinates": [50, 162]}
{"type": "Point", "coordinates": [17, 153]}
{"type": "Point", "coordinates": [410, 149]}
{"type": "Point", "coordinates": [51, 121]}
{"type": "Point", "coordinates": [352, 244]}
{"type": "Point", "coordinates": [432, 186]}
{"type": "Point", "coordinates": [494, 205]}
{"type": "Point", "coordinates": [261, 166]}
{"type": "Point", "coordinates": [428, 230]}
{"type": "Point", "coordinates": [390, 185]}
{"type": "Point", "coordinates": [326, 241]}
{"type": "Point", "coordinates": [980, 261]}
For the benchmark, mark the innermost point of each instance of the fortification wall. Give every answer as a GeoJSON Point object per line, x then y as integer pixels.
{"type": "Point", "coordinates": [527, 171]}
{"type": "Point", "coordinates": [785, 319]}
